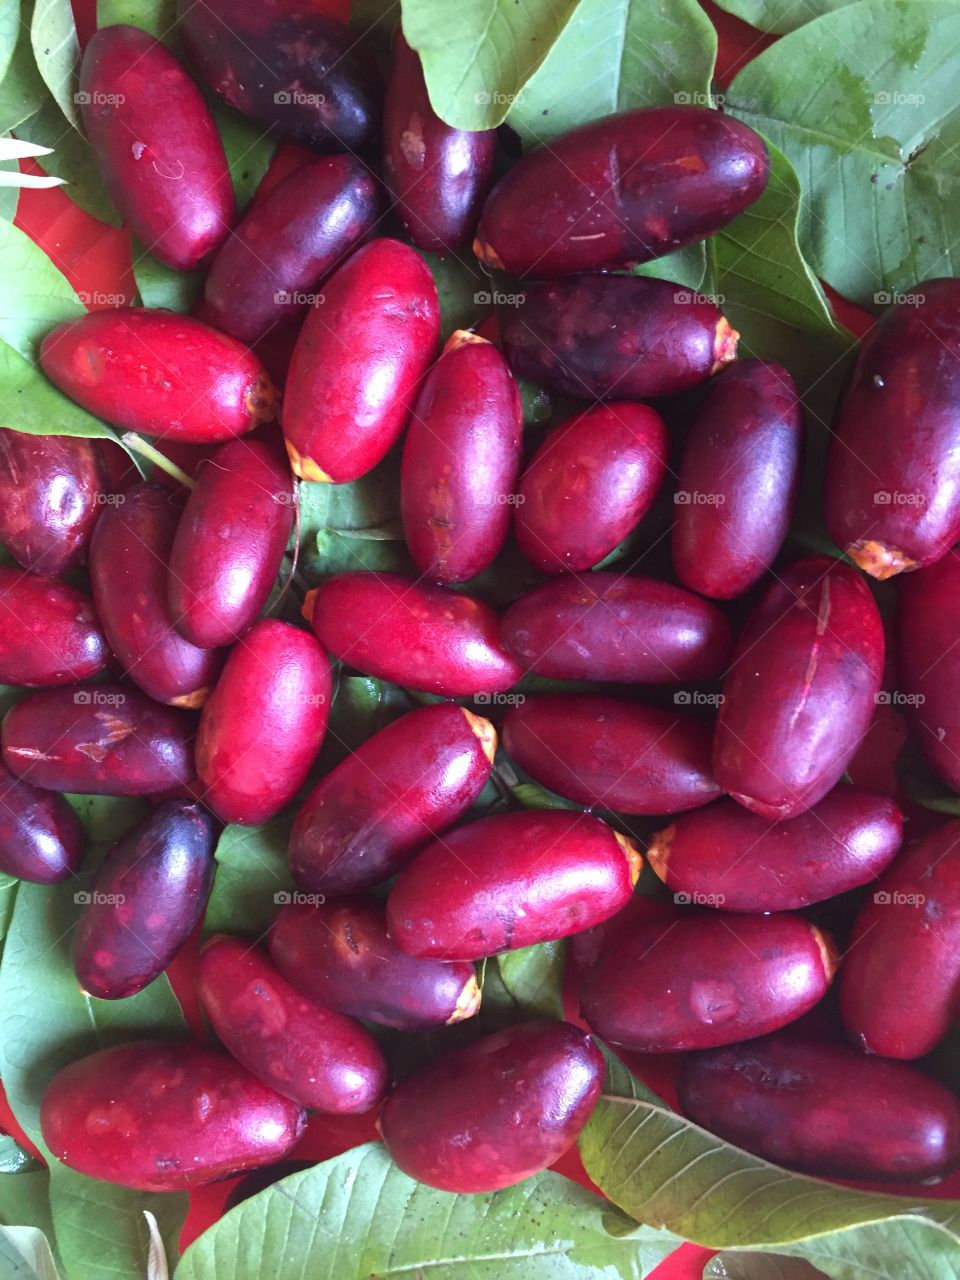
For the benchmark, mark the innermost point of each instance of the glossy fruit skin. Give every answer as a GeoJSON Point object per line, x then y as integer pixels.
{"type": "Point", "coordinates": [738, 480]}
{"type": "Point", "coordinates": [99, 739]}
{"type": "Point", "coordinates": [51, 493]}
{"type": "Point", "coordinates": [264, 723]}
{"type": "Point", "coordinates": [129, 555]}
{"type": "Point", "coordinates": [928, 622]}
{"type": "Point", "coordinates": [340, 954]}
{"type": "Point", "coordinates": [591, 481]}
{"type": "Point", "coordinates": [144, 901]}
{"type": "Point", "coordinates": [164, 1116]}
{"type": "Point", "coordinates": [385, 801]}
{"type": "Point", "coordinates": [199, 386]}
{"type": "Point", "coordinates": [510, 881]}
{"type": "Point", "coordinates": [229, 544]}
{"type": "Point", "coordinates": [705, 979]}
{"type": "Point", "coordinates": [49, 633]}
{"type": "Point", "coordinates": [287, 243]}
{"type": "Point", "coordinates": [606, 626]}
{"type": "Point", "coordinates": [413, 634]}
{"type": "Point", "coordinates": [41, 838]}
{"type": "Point", "coordinates": [287, 66]}
{"type": "Point", "coordinates": [801, 690]}
{"type": "Point", "coordinates": [614, 754]}
{"type": "Point", "coordinates": [493, 1113]}
{"type": "Point", "coordinates": [156, 146]}
{"type": "Point", "coordinates": [623, 189]}
{"type": "Point", "coordinates": [461, 460]}
{"type": "Point", "coordinates": [623, 337]}
{"type": "Point", "coordinates": [438, 175]}
{"type": "Point", "coordinates": [893, 469]}
{"type": "Point", "coordinates": [380, 306]}
{"type": "Point", "coordinates": [314, 1055]}
{"type": "Point", "coordinates": [906, 944]}
{"type": "Point", "coordinates": [742, 862]}
{"type": "Point", "coordinates": [824, 1108]}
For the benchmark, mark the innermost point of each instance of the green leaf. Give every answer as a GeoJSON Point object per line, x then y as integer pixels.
{"type": "Point", "coordinates": [32, 404]}
{"type": "Point", "coordinates": [534, 978]}
{"type": "Point", "coordinates": [780, 16]}
{"type": "Point", "coordinates": [26, 1198]}
{"type": "Point", "coordinates": [108, 817]}
{"type": "Point", "coordinates": [464, 291]}
{"type": "Point", "coordinates": [22, 89]}
{"type": "Point", "coordinates": [357, 1216]}
{"type": "Point", "coordinates": [162, 286]}
{"type": "Point", "coordinates": [9, 33]}
{"type": "Point", "coordinates": [864, 103]}
{"type": "Point", "coordinates": [13, 1158]}
{"type": "Point", "coordinates": [72, 160]}
{"type": "Point", "coordinates": [53, 34]}
{"type": "Point", "coordinates": [101, 1231]}
{"type": "Point", "coordinates": [532, 796]}
{"type": "Point", "coordinates": [248, 146]}
{"type": "Point", "coordinates": [34, 294]}
{"type": "Point", "coordinates": [8, 896]}
{"type": "Point", "coordinates": [686, 266]}
{"type": "Point", "coordinates": [759, 1266]}
{"type": "Point", "coordinates": [253, 878]}
{"type": "Point", "coordinates": [26, 1255]}
{"type": "Point", "coordinates": [159, 17]}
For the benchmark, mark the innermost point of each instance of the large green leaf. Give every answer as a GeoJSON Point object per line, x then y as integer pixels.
{"type": "Point", "coordinates": [34, 294]}
{"type": "Point", "coordinates": [25, 1197]}
{"type": "Point", "coordinates": [159, 17]}
{"type": "Point", "coordinates": [780, 15]}
{"type": "Point", "coordinates": [22, 89]}
{"type": "Point", "coordinates": [72, 160]}
{"type": "Point", "coordinates": [53, 34]}
{"type": "Point", "coordinates": [28, 402]}
{"type": "Point", "coordinates": [9, 33]}
{"type": "Point", "coordinates": [534, 978]}
{"type": "Point", "coordinates": [253, 878]}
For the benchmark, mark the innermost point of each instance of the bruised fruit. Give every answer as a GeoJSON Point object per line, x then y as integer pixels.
{"type": "Point", "coordinates": [316, 1056]}
{"type": "Point", "coordinates": [144, 901]}
{"type": "Point", "coordinates": [491, 1114]}
{"type": "Point", "coordinates": [164, 1116]}
{"type": "Point", "coordinates": [230, 541]}
{"type": "Point", "coordinates": [461, 459]}
{"type": "Point", "coordinates": [510, 881]}
{"type": "Point", "coordinates": [413, 634]}
{"type": "Point", "coordinates": [613, 754]}
{"type": "Point", "coordinates": [41, 837]}
{"type": "Point", "coordinates": [629, 337]}
{"type": "Point", "coordinates": [824, 1108]}
{"type": "Point", "coordinates": [726, 856]}
{"type": "Point", "coordinates": [622, 190]}
{"type": "Point", "coordinates": [704, 978]}
{"type": "Point", "coordinates": [156, 146]}
{"type": "Point", "coordinates": [49, 633]}
{"type": "Point", "coordinates": [264, 723]}
{"type": "Point", "coordinates": [163, 374]}
{"type": "Point", "coordinates": [363, 348]}
{"type": "Point", "coordinates": [801, 690]}
{"type": "Point", "coordinates": [398, 790]}
{"type": "Point", "coordinates": [341, 955]}
{"type": "Point", "coordinates": [900, 988]}
{"type": "Point", "coordinates": [99, 739]}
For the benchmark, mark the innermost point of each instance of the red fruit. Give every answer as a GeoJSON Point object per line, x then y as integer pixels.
{"type": "Point", "coordinates": [738, 480]}
{"type": "Point", "coordinates": [412, 633]}
{"type": "Point", "coordinates": [49, 633]}
{"type": "Point", "coordinates": [41, 837]}
{"type": "Point", "coordinates": [165, 1115]}
{"type": "Point", "coordinates": [491, 1114]}
{"type": "Point", "coordinates": [264, 723]}
{"type": "Point", "coordinates": [928, 624]}
{"type": "Point", "coordinates": [360, 355]}
{"type": "Point", "coordinates": [153, 371]}
{"type": "Point", "coordinates": [801, 690]}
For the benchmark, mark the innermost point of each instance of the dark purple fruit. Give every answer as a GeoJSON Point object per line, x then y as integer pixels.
{"type": "Point", "coordinates": [49, 633]}
{"type": "Point", "coordinates": [41, 837]}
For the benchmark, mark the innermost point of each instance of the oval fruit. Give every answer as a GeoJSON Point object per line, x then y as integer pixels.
{"type": "Point", "coordinates": [49, 633]}
{"type": "Point", "coordinates": [41, 838]}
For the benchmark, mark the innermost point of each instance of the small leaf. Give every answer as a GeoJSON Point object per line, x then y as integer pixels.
{"type": "Point", "coordinates": [780, 16]}
{"type": "Point", "coordinates": [26, 1255]}
{"type": "Point", "coordinates": [157, 1268]}
{"type": "Point", "coordinates": [162, 286]}
{"type": "Point", "coordinates": [22, 90]}
{"type": "Point", "coordinates": [534, 978]}
{"type": "Point", "coordinates": [53, 34]}
{"type": "Point", "coordinates": [159, 17]}
{"type": "Point", "coordinates": [253, 878]}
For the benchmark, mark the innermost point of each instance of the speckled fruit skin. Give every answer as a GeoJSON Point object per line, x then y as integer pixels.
{"type": "Point", "coordinates": [590, 482]}
{"type": "Point", "coordinates": [893, 471]}
{"type": "Point", "coordinates": [41, 838]}
{"type": "Point", "coordinates": [398, 790]}
{"type": "Point", "coordinates": [906, 947]}
{"type": "Point", "coordinates": [749, 863]}
{"type": "Point", "coordinates": [51, 489]}
{"type": "Point", "coordinates": [156, 146]}
{"type": "Point", "coordinates": [824, 1108]}
{"type": "Point", "coordinates": [801, 690]}
{"type": "Point", "coordinates": [613, 754]}
{"type": "Point", "coordinates": [287, 243]}
{"type": "Point", "coordinates": [49, 633]}
{"type": "Point", "coordinates": [129, 555]}
{"type": "Point", "coordinates": [286, 65]}
{"type": "Point", "coordinates": [412, 633]}
{"type": "Point", "coordinates": [704, 978]}
{"type": "Point", "coordinates": [461, 460]}
{"type": "Point", "coordinates": [229, 544]}
{"type": "Point", "coordinates": [626, 337]}
{"type": "Point", "coordinates": [381, 307]}
{"type": "Point", "coordinates": [606, 626]}
{"type": "Point", "coordinates": [438, 175]}
{"type": "Point", "coordinates": [491, 1114]}
{"type": "Point", "coordinates": [928, 623]}
{"type": "Point", "coordinates": [316, 1056]}
{"type": "Point", "coordinates": [264, 723]}
{"type": "Point", "coordinates": [144, 901]}
{"type": "Point", "coordinates": [163, 374]}
{"type": "Point", "coordinates": [99, 739]}
{"type": "Point", "coordinates": [340, 954]}
{"type": "Point", "coordinates": [164, 1116]}
{"type": "Point", "coordinates": [510, 881]}
{"type": "Point", "coordinates": [738, 480]}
